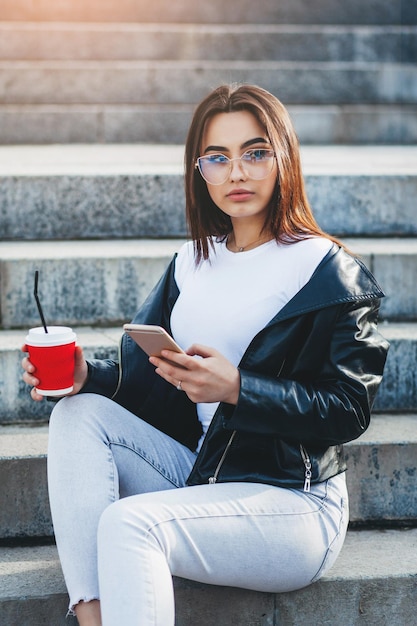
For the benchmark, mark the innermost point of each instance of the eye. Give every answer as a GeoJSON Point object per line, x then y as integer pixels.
{"type": "Point", "coordinates": [257, 155]}
{"type": "Point", "coordinates": [216, 158]}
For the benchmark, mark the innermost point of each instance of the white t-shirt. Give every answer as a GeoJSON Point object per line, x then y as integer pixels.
{"type": "Point", "coordinates": [225, 301]}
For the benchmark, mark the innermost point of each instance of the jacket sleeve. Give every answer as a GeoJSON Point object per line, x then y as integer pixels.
{"type": "Point", "coordinates": [330, 404]}
{"type": "Point", "coordinates": [103, 376]}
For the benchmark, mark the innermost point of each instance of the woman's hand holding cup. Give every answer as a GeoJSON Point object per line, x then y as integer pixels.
{"type": "Point", "coordinates": [53, 370]}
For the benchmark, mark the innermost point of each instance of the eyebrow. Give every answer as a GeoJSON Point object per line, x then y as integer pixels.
{"type": "Point", "coordinates": [246, 144]}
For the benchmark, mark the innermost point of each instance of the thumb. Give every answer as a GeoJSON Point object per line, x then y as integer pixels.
{"type": "Point", "coordinates": [78, 355]}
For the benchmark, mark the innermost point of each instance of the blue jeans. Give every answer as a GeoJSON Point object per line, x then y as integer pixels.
{"type": "Point", "coordinates": [125, 522]}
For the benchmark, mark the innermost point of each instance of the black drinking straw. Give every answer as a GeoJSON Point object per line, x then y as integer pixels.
{"type": "Point", "coordinates": [35, 293]}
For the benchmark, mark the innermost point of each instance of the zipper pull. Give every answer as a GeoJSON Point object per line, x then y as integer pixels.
{"type": "Point", "coordinates": [213, 479]}
{"type": "Point", "coordinates": [307, 465]}
{"type": "Point", "coordinates": [307, 480]}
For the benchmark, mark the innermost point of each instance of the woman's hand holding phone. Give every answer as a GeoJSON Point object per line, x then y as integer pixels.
{"type": "Point", "coordinates": [211, 378]}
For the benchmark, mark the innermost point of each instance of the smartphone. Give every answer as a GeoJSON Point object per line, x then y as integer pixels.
{"type": "Point", "coordinates": [152, 339]}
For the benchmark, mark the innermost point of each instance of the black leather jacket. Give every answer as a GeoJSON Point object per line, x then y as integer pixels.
{"type": "Point", "coordinates": [308, 382]}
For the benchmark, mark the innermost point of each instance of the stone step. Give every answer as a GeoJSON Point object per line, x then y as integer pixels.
{"type": "Point", "coordinates": [150, 82]}
{"type": "Point", "coordinates": [130, 191]}
{"type": "Point", "coordinates": [398, 391]}
{"type": "Point", "coordinates": [372, 582]}
{"type": "Point", "coordinates": [241, 11]}
{"type": "Point", "coordinates": [381, 476]}
{"type": "Point", "coordinates": [249, 42]}
{"type": "Point", "coordinates": [81, 282]}
{"type": "Point", "coordinates": [163, 124]}
{"type": "Point", "coordinates": [117, 275]}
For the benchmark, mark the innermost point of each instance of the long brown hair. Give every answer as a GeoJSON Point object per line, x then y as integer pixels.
{"type": "Point", "coordinates": [289, 217]}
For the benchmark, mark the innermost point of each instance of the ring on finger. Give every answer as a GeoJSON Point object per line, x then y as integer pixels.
{"type": "Point", "coordinates": [179, 387]}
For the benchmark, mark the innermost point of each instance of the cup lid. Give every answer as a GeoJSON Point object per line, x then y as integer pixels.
{"type": "Point", "coordinates": [56, 335]}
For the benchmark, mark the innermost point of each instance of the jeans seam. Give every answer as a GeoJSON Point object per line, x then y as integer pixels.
{"type": "Point", "coordinates": [225, 515]}
{"type": "Point", "coordinates": [148, 460]}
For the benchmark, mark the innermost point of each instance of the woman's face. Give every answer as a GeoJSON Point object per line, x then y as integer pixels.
{"type": "Point", "coordinates": [243, 198]}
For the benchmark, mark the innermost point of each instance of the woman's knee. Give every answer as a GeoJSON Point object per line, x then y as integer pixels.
{"type": "Point", "coordinates": [128, 519]}
{"type": "Point", "coordinates": [74, 415]}
{"type": "Point", "coordinates": [113, 524]}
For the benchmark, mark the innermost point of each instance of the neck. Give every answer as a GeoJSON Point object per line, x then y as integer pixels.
{"type": "Point", "coordinates": [236, 244]}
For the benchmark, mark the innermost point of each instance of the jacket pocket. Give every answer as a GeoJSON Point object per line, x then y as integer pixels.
{"type": "Point", "coordinates": [213, 479]}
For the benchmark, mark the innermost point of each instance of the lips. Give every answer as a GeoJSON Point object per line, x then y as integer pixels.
{"type": "Point", "coordinates": [240, 195]}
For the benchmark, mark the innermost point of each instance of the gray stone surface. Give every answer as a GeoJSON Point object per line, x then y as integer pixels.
{"type": "Point", "coordinates": [382, 470]}
{"type": "Point", "coordinates": [75, 207]}
{"type": "Point", "coordinates": [81, 282]}
{"type": "Point", "coordinates": [358, 124]}
{"type": "Point", "coordinates": [250, 42]}
{"type": "Point", "coordinates": [398, 391]}
{"type": "Point", "coordinates": [97, 123]}
{"type": "Point", "coordinates": [121, 60]}
{"type": "Point", "coordinates": [266, 11]}
{"type": "Point", "coordinates": [117, 275]}
{"type": "Point", "coordinates": [393, 262]}
{"type": "Point", "coordinates": [382, 467]}
{"type": "Point", "coordinates": [149, 82]}
{"type": "Point", "coordinates": [23, 124]}
{"type": "Point", "coordinates": [137, 190]}
{"type": "Point", "coordinates": [374, 581]}
{"type": "Point", "coordinates": [33, 591]}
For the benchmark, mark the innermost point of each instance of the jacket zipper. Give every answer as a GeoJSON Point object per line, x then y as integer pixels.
{"type": "Point", "coordinates": [307, 465]}
{"type": "Point", "coordinates": [213, 479]}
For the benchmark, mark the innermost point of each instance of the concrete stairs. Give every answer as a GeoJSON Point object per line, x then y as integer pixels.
{"type": "Point", "coordinates": [97, 284]}
{"type": "Point", "coordinates": [101, 222]}
{"type": "Point", "coordinates": [112, 72]}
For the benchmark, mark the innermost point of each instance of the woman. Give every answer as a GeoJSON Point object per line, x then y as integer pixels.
{"type": "Point", "coordinates": [224, 465]}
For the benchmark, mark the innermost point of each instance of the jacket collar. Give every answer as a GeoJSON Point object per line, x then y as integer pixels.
{"type": "Point", "coordinates": [339, 278]}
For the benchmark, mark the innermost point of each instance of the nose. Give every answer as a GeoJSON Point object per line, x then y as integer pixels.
{"type": "Point", "coordinates": [237, 170]}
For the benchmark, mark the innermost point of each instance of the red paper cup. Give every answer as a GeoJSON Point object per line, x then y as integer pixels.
{"type": "Point", "coordinates": [52, 354]}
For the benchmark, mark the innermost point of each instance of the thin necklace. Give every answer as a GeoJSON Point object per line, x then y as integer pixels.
{"type": "Point", "coordinates": [248, 245]}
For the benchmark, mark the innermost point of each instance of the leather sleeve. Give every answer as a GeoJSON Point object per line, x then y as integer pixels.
{"type": "Point", "coordinates": [328, 400]}
{"type": "Point", "coordinates": [103, 375]}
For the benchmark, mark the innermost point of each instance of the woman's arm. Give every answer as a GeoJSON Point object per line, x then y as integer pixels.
{"type": "Point", "coordinates": [331, 406]}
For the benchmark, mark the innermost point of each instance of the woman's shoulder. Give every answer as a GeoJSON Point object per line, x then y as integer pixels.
{"type": "Point", "coordinates": [184, 262]}
{"type": "Point", "coordinates": [186, 251]}
{"type": "Point", "coordinates": [314, 244]}
{"type": "Point", "coordinates": [304, 253]}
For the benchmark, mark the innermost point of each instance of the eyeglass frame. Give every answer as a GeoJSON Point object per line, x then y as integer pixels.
{"type": "Point", "coordinates": [230, 161]}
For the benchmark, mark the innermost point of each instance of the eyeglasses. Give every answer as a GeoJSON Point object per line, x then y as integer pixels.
{"type": "Point", "coordinates": [257, 164]}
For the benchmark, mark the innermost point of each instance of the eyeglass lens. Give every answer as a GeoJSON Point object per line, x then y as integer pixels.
{"type": "Point", "coordinates": [216, 168]}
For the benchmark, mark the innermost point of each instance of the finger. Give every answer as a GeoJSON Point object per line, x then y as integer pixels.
{"type": "Point", "coordinates": [169, 358]}
{"type": "Point", "coordinates": [30, 380]}
{"type": "Point", "coordinates": [35, 395]}
{"type": "Point", "coordinates": [170, 379]}
{"type": "Point", "coordinates": [27, 365]}
{"type": "Point", "coordinates": [24, 348]}
{"type": "Point", "coordinates": [199, 350]}
{"type": "Point", "coordinates": [78, 355]}
{"type": "Point", "coordinates": [167, 369]}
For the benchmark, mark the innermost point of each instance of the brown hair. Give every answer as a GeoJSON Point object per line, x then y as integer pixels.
{"type": "Point", "coordinates": [290, 217]}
